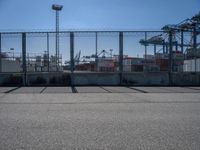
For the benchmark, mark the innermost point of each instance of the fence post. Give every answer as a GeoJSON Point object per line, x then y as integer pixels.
{"type": "Point", "coordinates": [145, 52]}
{"type": "Point", "coordinates": [195, 46]}
{"type": "Point", "coordinates": [48, 51]}
{"type": "Point", "coordinates": [24, 58]}
{"type": "Point", "coordinates": [72, 51]}
{"type": "Point", "coordinates": [170, 68]}
{"type": "Point", "coordinates": [96, 51]}
{"type": "Point", "coordinates": [72, 56]}
{"type": "Point", "coordinates": [0, 55]}
{"type": "Point", "coordinates": [121, 56]}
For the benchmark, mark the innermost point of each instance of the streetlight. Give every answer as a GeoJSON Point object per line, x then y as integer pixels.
{"type": "Point", "coordinates": [57, 8]}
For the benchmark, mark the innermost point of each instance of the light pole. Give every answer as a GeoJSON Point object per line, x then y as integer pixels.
{"type": "Point", "coordinates": [57, 8]}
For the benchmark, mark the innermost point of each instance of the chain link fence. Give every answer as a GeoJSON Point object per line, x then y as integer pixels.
{"type": "Point", "coordinates": [100, 51]}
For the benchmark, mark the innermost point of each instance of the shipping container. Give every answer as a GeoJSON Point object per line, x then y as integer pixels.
{"type": "Point", "coordinates": [189, 65]}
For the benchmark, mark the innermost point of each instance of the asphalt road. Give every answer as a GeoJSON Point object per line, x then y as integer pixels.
{"type": "Point", "coordinates": [95, 121]}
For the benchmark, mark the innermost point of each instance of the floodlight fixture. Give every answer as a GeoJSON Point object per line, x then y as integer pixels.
{"type": "Point", "coordinates": [57, 7]}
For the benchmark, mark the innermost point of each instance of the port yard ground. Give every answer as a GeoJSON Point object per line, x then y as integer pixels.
{"type": "Point", "coordinates": [104, 117]}
{"type": "Point", "coordinates": [98, 89]}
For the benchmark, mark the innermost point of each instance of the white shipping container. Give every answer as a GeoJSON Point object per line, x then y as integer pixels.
{"type": "Point", "coordinates": [10, 65]}
{"type": "Point", "coordinates": [189, 65]}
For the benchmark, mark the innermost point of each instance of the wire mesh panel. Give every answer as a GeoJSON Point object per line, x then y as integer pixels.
{"type": "Point", "coordinates": [64, 50]}
{"type": "Point", "coordinates": [191, 52]}
{"type": "Point", "coordinates": [178, 51]}
{"type": "Point", "coordinates": [10, 55]}
{"type": "Point", "coordinates": [96, 51]}
{"type": "Point", "coordinates": [134, 51]}
{"type": "Point", "coordinates": [36, 52]}
{"type": "Point", "coordinates": [84, 51]}
{"type": "Point", "coordinates": [41, 52]}
{"type": "Point", "coordinates": [60, 62]}
{"type": "Point", "coordinates": [108, 52]}
{"type": "Point", "coordinates": [157, 57]}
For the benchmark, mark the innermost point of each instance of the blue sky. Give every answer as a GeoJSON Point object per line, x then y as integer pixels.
{"type": "Point", "coordinates": [95, 14]}
{"type": "Point", "coordinates": [29, 15]}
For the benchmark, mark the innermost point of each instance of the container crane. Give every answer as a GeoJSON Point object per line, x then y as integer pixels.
{"type": "Point", "coordinates": [188, 25]}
